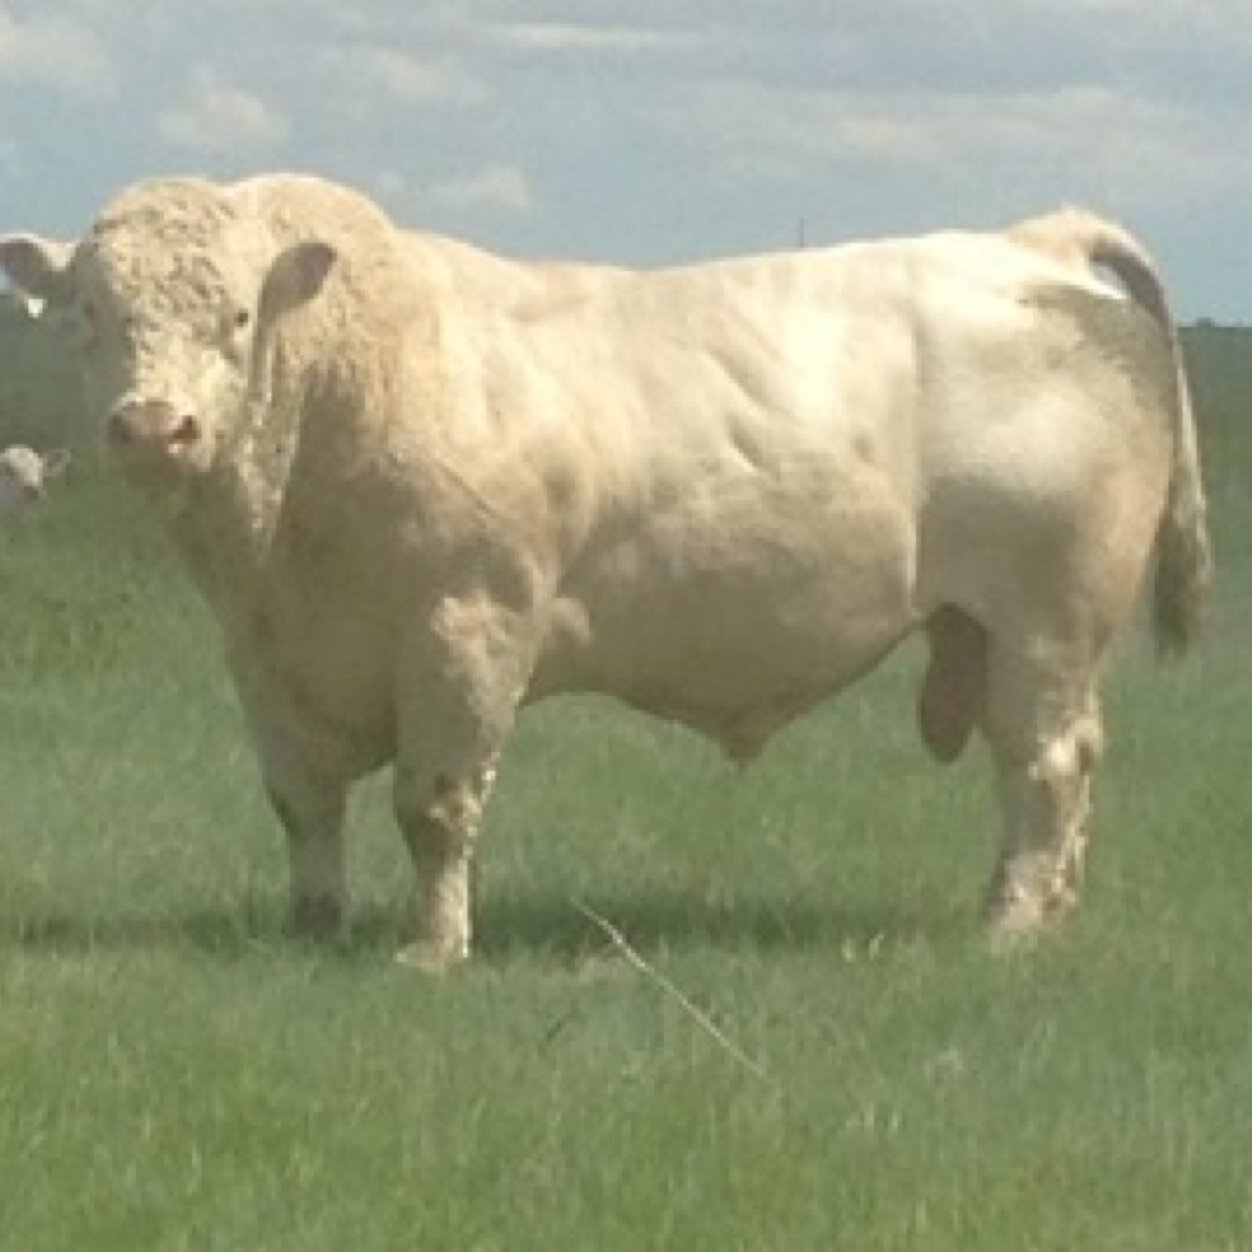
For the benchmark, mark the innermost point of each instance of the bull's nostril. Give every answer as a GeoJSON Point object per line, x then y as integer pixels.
{"type": "Point", "coordinates": [184, 433]}
{"type": "Point", "coordinates": [150, 424]}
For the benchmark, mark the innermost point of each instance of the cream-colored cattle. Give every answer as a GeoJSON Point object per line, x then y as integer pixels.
{"type": "Point", "coordinates": [421, 486]}
{"type": "Point", "coordinates": [24, 474]}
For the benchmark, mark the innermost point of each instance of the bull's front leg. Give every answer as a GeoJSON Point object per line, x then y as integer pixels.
{"type": "Point", "coordinates": [458, 687]}
{"type": "Point", "coordinates": [308, 788]}
{"type": "Point", "coordinates": [311, 808]}
{"type": "Point", "coordinates": [439, 817]}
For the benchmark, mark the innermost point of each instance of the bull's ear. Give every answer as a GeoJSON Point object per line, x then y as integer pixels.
{"type": "Point", "coordinates": [295, 277]}
{"type": "Point", "coordinates": [37, 266]}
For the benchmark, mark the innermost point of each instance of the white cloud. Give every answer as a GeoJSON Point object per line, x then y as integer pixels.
{"type": "Point", "coordinates": [492, 187]}
{"type": "Point", "coordinates": [672, 127]}
{"type": "Point", "coordinates": [407, 77]}
{"type": "Point", "coordinates": [390, 184]}
{"type": "Point", "coordinates": [218, 117]}
{"type": "Point", "coordinates": [570, 37]}
{"type": "Point", "coordinates": [1098, 138]}
{"type": "Point", "coordinates": [53, 52]}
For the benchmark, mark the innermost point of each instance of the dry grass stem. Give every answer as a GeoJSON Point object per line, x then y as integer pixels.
{"type": "Point", "coordinates": [697, 1014]}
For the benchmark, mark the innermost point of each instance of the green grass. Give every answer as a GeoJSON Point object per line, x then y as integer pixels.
{"type": "Point", "coordinates": [176, 1073]}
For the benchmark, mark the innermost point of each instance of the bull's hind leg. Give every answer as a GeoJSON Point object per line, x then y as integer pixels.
{"type": "Point", "coordinates": [1042, 721]}
{"type": "Point", "coordinates": [954, 689]}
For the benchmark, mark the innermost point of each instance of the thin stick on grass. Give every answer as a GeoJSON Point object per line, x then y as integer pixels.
{"type": "Point", "coordinates": [697, 1014]}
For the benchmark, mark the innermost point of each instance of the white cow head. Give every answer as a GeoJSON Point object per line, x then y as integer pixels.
{"type": "Point", "coordinates": [24, 473]}
{"type": "Point", "coordinates": [173, 296]}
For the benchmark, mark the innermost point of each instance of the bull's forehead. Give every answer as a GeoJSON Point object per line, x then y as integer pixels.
{"type": "Point", "coordinates": [170, 250]}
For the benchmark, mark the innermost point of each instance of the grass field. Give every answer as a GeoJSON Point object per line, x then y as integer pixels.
{"type": "Point", "coordinates": [175, 1073]}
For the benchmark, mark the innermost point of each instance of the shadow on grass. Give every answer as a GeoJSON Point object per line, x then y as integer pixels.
{"type": "Point", "coordinates": [226, 932]}
{"type": "Point", "coordinates": [510, 926]}
{"type": "Point", "coordinates": [676, 920]}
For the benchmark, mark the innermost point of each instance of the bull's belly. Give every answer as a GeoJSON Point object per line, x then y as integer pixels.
{"type": "Point", "coordinates": [741, 697]}
{"type": "Point", "coordinates": [737, 659]}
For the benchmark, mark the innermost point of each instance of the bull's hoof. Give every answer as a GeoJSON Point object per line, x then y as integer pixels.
{"type": "Point", "coordinates": [1012, 934]}
{"type": "Point", "coordinates": [317, 917]}
{"type": "Point", "coordinates": [430, 957]}
{"type": "Point", "coordinates": [1016, 921]}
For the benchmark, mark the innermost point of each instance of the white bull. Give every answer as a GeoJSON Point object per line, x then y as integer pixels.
{"type": "Point", "coordinates": [421, 486]}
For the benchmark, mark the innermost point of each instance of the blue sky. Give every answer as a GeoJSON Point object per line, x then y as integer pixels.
{"type": "Point", "coordinates": [654, 131]}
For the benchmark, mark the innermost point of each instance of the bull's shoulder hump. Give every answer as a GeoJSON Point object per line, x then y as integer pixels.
{"type": "Point", "coordinates": [500, 287]}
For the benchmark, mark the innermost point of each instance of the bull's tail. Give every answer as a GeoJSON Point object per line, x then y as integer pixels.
{"type": "Point", "coordinates": [1184, 564]}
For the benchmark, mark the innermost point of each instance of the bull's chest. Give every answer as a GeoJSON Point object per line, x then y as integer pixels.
{"type": "Point", "coordinates": [323, 671]}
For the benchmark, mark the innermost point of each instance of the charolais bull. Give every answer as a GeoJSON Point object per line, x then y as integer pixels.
{"type": "Point", "coordinates": [422, 486]}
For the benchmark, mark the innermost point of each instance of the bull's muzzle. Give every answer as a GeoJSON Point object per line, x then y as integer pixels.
{"type": "Point", "coordinates": [153, 426]}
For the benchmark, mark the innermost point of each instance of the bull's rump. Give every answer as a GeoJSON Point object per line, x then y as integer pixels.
{"type": "Point", "coordinates": [1044, 443]}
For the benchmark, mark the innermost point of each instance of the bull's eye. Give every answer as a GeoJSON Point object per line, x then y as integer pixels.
{"type": "Point", "coordinates": [242, 318]}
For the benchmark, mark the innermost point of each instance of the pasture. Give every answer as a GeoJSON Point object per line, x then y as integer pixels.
{"type": "Point", "coordinates": [177, 1073]}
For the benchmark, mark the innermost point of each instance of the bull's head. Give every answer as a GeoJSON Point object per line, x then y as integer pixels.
{"type": "Point", "coordinates": [172, 298]}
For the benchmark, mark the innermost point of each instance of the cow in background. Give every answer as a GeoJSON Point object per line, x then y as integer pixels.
{"type": "Point", "coordinates": [25, 474]}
